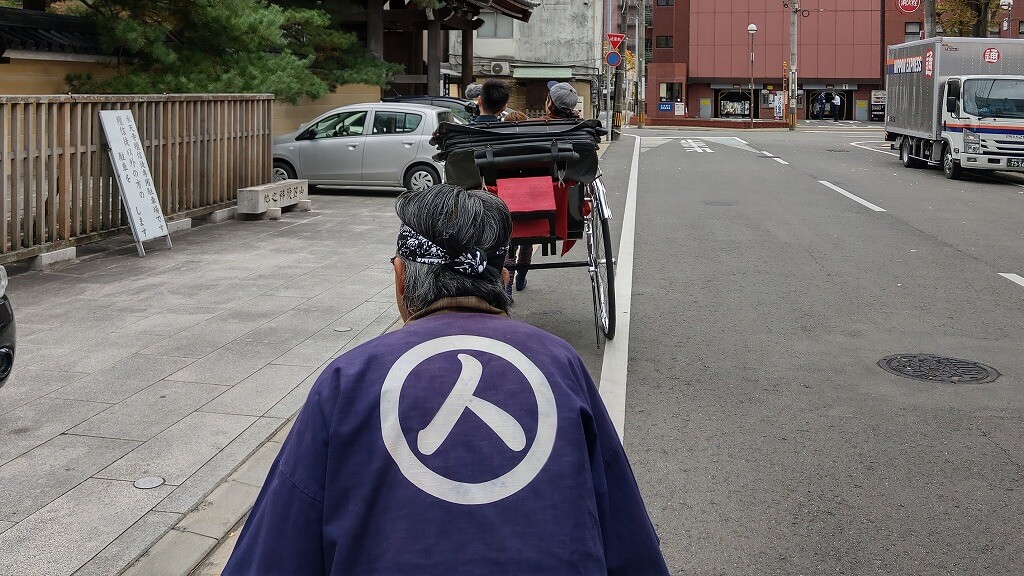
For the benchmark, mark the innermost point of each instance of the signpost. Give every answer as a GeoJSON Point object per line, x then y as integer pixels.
{"type": "Point", "coordinates": [134, 180]}
{"type": "Point", "coordinates": [614, 39]}
{"type": "Point", "coordinates": [613, 59]}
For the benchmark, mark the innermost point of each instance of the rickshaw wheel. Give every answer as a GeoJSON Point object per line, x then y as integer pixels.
{"type": "Point", "coordinates": [602, 273]}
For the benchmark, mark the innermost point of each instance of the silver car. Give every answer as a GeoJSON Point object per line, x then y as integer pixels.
{"type": "Point", "coordinates": [375, 144]}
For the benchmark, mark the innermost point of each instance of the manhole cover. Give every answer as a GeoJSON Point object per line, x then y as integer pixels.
{"type": "Point", "coordinates": [716, 203]}
{"type": "Point", "coordinates": [938, 369]}
{"type": "Point", "coordinates": [149, 482]}
{"type": "Point", "coordinates": [835, 151]}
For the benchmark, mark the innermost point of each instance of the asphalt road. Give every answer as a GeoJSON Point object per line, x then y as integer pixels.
{"type": "Point", "coordinates": [765, 437]}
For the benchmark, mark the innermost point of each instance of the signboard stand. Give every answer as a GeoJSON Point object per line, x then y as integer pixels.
{"type": "Point", "coordinates": [134, 179]}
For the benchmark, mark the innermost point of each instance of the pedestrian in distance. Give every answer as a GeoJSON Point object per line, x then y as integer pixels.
{"type": "Point", "coordinates": [472, 93]}
{"type": "Point", "coordinates": [464, 442]}
{"type": "Point", "coordinates": [836, 104]}
{"type": "Point", "coordinates": [819, 106]}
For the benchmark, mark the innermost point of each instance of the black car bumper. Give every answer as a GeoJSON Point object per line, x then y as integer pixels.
{"type": "Point", "coordinates": [7, 333]}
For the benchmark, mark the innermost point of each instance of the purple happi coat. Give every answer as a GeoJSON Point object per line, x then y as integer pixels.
{"type": "Point", "coordinates": [464, 443]}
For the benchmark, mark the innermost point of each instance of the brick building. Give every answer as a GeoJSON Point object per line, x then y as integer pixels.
{"type": "Point", "coordinates": [700, 53]}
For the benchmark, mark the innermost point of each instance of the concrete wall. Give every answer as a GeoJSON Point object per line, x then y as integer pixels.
{"type": "Point", "coordinates": [837, 39]}
{"type": "Point", "coordinates": [560, 33]}
{"type": "Point", "coordinates": [31, 76]}
{"type": "Point", "coordinates": [25, 76]}
{"type": "Point", "coordinates": [288, 117]}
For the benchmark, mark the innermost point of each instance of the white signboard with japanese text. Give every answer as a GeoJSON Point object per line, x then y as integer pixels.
{"type": "Point", "coordinates": [138, 193]}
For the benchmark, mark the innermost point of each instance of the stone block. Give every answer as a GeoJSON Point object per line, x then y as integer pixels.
{"type": "Point", "coordinates": [273, 214]}
{"type": "Point", "coordinates": [222, 215]}
{"type": "Point", "coordinates": [178, 452]}
{"type": "Point", "coordinates": [176, 554]}
{"type": "Point", "coordinates": [259, 199]}
{"type": "Point", "coordinates": [304, 205]}
{"type": "Point", "coordinates": [80, 524]}
{"type": "Point", "coordinates": [221, 510]}
{"type": "Point", "coordinates": [130, 545]}
{"type": "Point", "coordinates": [47, 259]}
{"type": "Point", "coordinates": [179, 225]}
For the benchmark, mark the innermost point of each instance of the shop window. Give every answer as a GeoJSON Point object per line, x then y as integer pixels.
{"type": "Point", "coordinates": [663, 42]}
{"type": "Point", "coordinates": [670, 92]}
{"type": "Point", "coordinates": [666, 2]}
{"type": "Point", "coordinates": [734, 104]}
{"type": "Point", "coordinates": [912, 31]}
{"type": "Point", "coordinates": [495, 26]}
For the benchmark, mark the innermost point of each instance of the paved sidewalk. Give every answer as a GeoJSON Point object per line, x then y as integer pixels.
{"type": "Point", "coordinates": [180, 365]}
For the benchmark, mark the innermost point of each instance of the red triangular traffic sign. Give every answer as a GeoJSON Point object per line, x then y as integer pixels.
{"type": "Point", "coordinates": [614, 39]}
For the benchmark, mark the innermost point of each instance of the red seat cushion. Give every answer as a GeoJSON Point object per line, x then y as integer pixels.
{"type": "Point", "coordinates": [533, 195]}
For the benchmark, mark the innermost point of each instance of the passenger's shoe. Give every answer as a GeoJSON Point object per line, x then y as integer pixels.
{"type": "Point", "coordinates": [508, 292]}
{"type": "Point", "coordinates": [520, 282]}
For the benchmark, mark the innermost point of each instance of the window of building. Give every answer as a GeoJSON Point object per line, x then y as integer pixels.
{"type": "Point", "coordinates": [666, 2]}
{"type": "Point", "coordinates": [912, 31]}
{"type": "Point", "coordinates": [495, 26]}
{"type": "Point", "coordinates": [1020, 28]}
{"type": "Point", "coordinates": [663, 42]}
{"type": "Point", "coordinates": [670, 92]}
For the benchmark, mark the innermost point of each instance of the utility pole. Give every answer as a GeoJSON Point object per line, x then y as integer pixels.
{"type": "Point", "coordinates": [929, 18]}
{"type": "Point", "coordinates": [641, 71]}
{"type": "Point", "coordinates": [794, 9]}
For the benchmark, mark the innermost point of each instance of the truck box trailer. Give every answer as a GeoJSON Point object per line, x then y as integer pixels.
{"type": "Point", "coordinates": [958, 102]}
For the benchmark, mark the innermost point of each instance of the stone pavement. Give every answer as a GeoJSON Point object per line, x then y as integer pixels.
{"type": "Point", "coordinates": [178, 365]}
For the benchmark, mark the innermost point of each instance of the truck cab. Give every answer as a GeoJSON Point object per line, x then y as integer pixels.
{"type": "Point", "coordinates": [983, 122]}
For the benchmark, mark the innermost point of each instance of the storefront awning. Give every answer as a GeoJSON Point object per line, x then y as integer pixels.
{"type": "Point", "coordinates": [543, 72]}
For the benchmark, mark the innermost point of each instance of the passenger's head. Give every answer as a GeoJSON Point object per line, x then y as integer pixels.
{"type": "Point", "coordinates": [473, 91]}
{"type": "Point", "coordinates": [561, 101]}
{"type": "Point", "coordinates": [493, 97]}
{"type": "Point", "coordinates": [452, 243]}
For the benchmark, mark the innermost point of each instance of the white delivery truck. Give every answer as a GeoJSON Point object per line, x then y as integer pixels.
{"type": "Point", "coordinates": [958, 102]}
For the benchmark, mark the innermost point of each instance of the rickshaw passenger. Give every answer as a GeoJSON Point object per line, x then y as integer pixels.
{"type": "Point", "coordinates": [385, 471]}
{"type": "Point", "coordinates": [493, 100]}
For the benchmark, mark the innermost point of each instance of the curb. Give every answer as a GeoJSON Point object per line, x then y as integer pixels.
{"type": "Point", "coordinates": [190, 541]}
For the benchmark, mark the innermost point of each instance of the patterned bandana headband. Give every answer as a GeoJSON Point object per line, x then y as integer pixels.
{"type": "Point", "coordinates": [415, 248]}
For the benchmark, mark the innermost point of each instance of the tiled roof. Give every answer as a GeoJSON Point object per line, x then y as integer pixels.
{"type": "Point", "coordinates": [37, 32]}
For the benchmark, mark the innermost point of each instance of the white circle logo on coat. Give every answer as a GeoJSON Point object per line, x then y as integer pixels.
{"type": "Point", "coordinates": [460, 399]}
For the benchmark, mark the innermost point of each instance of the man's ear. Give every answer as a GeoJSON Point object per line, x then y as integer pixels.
{"type": "Point", "coordinates": [399, 265]}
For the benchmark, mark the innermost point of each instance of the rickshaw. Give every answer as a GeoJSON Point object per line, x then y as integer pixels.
{"type": "Point", "coordinates": [547, 173]}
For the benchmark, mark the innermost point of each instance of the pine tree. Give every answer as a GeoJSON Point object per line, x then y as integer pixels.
{"type": "Point", "coordinates": [227, 46]}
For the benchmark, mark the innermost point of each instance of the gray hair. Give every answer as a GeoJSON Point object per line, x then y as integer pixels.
{"type": "Point", "coordinates": [473, 91]}
{"type": "Point", "coordinates": [456, 220]}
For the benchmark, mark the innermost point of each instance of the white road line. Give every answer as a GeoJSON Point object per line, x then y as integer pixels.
{"type": "Point", "coordinates": [768, 154]}
{"type": "Point", "coordinates": [851, 196]}
{"type": "Point", "coordinates": [1013, 278]}
{"type": "Point", "coordinates": [870, 149]}
{"type": "Point", "coordinates": [780, 160]}
{"type": "Point", "coordinates": [616, 351]}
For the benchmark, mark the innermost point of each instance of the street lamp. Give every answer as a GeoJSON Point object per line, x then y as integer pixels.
{"type": "Point", "coordinates": [752, 29]}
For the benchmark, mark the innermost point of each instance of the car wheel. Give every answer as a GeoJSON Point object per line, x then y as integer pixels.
{"type": "Point", "coordinates": [421, 177]}
{"type": "Point", "coordinates": [282, 171]}
{"type": "Point", "coordinates": [950, 167]}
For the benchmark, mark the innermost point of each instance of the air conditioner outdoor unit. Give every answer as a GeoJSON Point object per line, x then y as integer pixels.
{"type": "Point", "coordinates": [499, 68]}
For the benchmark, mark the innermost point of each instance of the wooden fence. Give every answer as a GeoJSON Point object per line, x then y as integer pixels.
{"type": "Point", "coordinates": [58, 188]}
